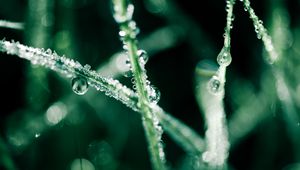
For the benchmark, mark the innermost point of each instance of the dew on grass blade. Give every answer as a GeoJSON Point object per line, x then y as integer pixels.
{"type": "Point", "coordinates": [79, 85]}
{"type": "Point", "coordinates": [121, 16]}
{"type": "Point", "coordinates": [143, 56]}
{"type": "Point", "coordinates": [215, 85]}
{"type": "Point", "coordinates": [154, 94]}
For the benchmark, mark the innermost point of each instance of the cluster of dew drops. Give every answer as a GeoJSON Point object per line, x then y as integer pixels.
{"type": "Point", "coordinates": [80, 85]}
{"type": "Point", "coordinates": [152, 91]}
{"type": "Point", "coordinates": [130, 33]}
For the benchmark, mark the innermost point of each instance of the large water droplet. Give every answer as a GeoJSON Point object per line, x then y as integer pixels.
{"type": "Point", "coordinates": [154, 94]}
{"type": "Point", "coordinates": [143, 56]}
{"type": "Point", "coordinates": [215, 85]}
{"type": "Point", "coordinates": [224, 57]}
{"type": "Point", "coordinates": [79, 85]}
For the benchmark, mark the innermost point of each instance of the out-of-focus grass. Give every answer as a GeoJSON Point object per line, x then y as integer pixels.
{"type": "Point", "coordinates": [177, 36]}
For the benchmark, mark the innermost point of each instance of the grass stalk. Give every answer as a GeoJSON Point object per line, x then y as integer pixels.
{"type": "Point", "coordinates": [211, 101]}
{"type": "Point", "coordinates": [112, 88]}
{"type": "Point", "coordinates": [123, 12]}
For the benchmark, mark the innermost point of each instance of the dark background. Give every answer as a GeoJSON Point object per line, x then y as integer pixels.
{"type": "Point", "coordinates": [92, 39]}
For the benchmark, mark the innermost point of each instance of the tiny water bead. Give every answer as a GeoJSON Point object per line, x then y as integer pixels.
{"type": "Point", "coordinates": [154, 94]}
{"type": "Point", "coordinates": [215, 85]}
{"type": "Point", "coordinates": [79, 85]}
{"type": "Point", "coordinates": [128, 72]}
{"type": "Point", "coordinates": [128, 32]}
{"type": "Point", "coordinates": [119, 15]}
{"type": "Point", "coordinates": [143, 56]}
{"type": "Point", "coordinates": [224, 57]}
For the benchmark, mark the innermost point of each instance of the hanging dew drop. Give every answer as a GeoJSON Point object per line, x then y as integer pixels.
{"type": "Point", "coordinates": [79, 85]}
{"type": "Point", "coordinates": [215, 85]}
{"type": "Point", "coordinates": [224, 57]}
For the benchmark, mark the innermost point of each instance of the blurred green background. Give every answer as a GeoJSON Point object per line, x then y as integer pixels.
{"type": "Point", "coordinates": [263, 120]}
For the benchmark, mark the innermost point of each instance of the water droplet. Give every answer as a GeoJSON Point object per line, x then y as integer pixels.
{"type": "Point", "coordinates": [122, 33]}
{"type": "Point", "coordinates": [79, 85]}
{"type": "Point", "coordinates": [224, 57]}
{"type": "Point", "coordinates": [119, 16]}
{"type": "Point", "coordinates": [125, 47]}
{"type": "Point", "coordinates": [48, 51]}
{"type": "Point", "coordinates": [87, 67]}
{"type": "Point", "coordinates": [132, 80]}
{"type": "Point", "coordinates": [143, 56]}
{"type": "Point", "coordinates": [215, 85]}
{"type": "Point", "coordinates": [258, 36]}
{"type": "Point", "coordinates": [233, 17]}
{"type": "Point", "coordinates": [128, 73]}
{"type": "Point", "coordinates": [154, 94]}
{"type": "Point", "coordinates": [127, 62]}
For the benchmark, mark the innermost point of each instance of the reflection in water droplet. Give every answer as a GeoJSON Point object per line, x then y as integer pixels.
{"type": "Point", "coordinates": [79, 85]}
{"type": "Point", "coordinates": [224, 57]}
